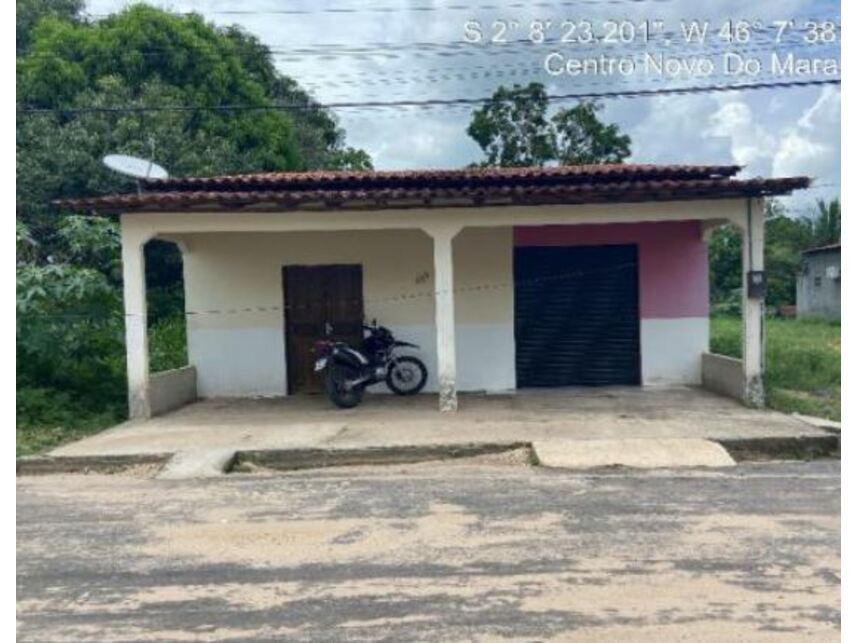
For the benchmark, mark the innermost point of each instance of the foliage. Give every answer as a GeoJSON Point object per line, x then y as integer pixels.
{"type": "Point", "coordinates": [786, 238]}
{"type": "Point", "coordinates": [724, 261]}
{"type": "Point", "coordinates": [152, 64]}
{"type": "Point", "coordinates": [803, 360]}
{"type": "Point", "coordinates": [28, 12]}
{"type": "Point", "coordinates": [48, 416]}
{"type": "Point", "coordinates": [168, 344]}
{"type": "Point", "coordinates": [826, 225]}
{"type": "Point", "coordinates": [513, 129]}
{"type": "Point", "coordinates": [147, 59]}
{"type": "Point", "coordinates": [581, 138]}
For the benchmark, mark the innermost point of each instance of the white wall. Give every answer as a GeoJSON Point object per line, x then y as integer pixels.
{"type": "Point", "coordinates": [242, 352]}
{"type": "Point", "coordinates": [671, 350]}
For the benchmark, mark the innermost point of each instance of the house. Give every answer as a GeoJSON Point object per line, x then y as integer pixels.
{"type": "Point", "coordinates": [507, 277]}
{"type": "Point", "coordinates": [820, 281]}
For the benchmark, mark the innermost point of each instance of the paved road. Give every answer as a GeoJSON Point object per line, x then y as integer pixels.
{"type": "Point", "coordinates": [431, 553]}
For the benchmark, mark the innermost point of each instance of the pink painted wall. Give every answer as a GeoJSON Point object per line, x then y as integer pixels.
{"type": "Point", "coordinates": [673, 260]}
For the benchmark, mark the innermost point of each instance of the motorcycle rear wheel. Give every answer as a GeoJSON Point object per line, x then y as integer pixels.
{"type": "Point", "coordinates": [406, 375]}
{"type": "Point", "coordinates": [334, 386]}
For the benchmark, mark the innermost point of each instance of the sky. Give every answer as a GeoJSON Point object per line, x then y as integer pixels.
{"type": "Point", "coordinates": [389, 50]}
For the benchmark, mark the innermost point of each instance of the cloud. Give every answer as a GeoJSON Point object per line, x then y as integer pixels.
{"type": "Point", "coordinates": [813, 147]}
{"type": "Point", "coordinates": [751, 144]}
{"type": "Point", "coordinates": [780, 132]}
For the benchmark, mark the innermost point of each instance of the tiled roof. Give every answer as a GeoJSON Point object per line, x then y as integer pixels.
{"type": "Point", "coordinates": [437, 188]}
{"type": "Point", "coordinates": [436, 178]}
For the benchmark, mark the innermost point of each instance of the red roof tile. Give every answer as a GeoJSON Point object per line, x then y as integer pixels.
{"type": "Point", "coordinates": [422, 188]}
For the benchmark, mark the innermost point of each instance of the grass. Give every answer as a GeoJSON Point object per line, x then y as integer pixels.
{"type": "Point", "coordinates": [802, 362]}
{"type": "Point", "coordinates": [71, 420]}
{"type": "Point", "coordinates": [48, 417]}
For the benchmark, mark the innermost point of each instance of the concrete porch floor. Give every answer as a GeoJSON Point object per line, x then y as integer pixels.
{"type": "Point", "coordinates": [385, 420]}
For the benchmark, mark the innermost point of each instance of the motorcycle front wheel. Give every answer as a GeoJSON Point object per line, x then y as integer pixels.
{"type": "Point", "coordinates": [334, 385]}
{"type": "Point", "coordinates": [406, 375]}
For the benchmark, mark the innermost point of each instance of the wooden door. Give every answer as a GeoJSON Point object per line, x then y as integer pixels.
{"type": "Point", "coordinates": [319, 302]}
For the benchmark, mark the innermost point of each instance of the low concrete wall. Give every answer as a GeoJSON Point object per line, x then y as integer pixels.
{"type": "Point", "coordinates": [169, 390]}
{"type": "Point", "coordinates": [724, 375]}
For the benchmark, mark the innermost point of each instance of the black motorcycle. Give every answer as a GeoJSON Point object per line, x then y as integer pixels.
{"type": "Point", "coordinates": [349, 370]}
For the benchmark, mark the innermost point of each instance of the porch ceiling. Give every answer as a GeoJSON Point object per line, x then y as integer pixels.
{"type": "Point", "coordinates": [443, 188]}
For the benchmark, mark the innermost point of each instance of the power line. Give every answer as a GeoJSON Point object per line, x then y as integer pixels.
{"type": "Point", "coordinates": [435, 102]}
{"type": "Point", "coordinates": [518, 72]}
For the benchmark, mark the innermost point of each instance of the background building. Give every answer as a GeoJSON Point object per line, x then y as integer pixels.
{"type": "Point", "coordinates": [819, 284]}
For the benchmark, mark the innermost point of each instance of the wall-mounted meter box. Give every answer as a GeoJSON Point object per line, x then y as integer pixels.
{"type": "Point", "coordinates": [757, 284]}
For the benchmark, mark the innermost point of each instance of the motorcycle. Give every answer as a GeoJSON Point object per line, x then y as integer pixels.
{"type": "Point", "coordinates": [349, 370]}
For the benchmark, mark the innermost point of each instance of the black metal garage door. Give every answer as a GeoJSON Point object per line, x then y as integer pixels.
{"type": "Point", "coordinates": [577, 316]}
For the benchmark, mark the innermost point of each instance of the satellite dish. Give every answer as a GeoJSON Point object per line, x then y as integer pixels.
{"type": "Point", "coordinates": [135, 167]}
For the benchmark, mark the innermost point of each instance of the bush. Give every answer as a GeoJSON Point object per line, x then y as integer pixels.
{"type": "Point", "coordinates": [168, 344]}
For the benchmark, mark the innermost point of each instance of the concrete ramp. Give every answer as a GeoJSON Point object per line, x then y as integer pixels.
{"type": "Point", "coordinates": [645, 453]}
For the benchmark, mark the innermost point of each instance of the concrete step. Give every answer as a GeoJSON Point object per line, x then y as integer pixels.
{"type": "Point", "coordinates": [198, 464]}
{"type": "Point", "coordinates": [643, 453]}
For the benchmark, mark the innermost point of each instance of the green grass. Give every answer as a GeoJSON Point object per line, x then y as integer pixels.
{"type": "Point", "coordinates": [802, 362]}
{"type": "Point", "coordinates": [48, 417]}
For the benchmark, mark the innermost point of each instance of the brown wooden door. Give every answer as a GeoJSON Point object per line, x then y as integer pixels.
{"type": "Point", "coordinates": [319, 301]}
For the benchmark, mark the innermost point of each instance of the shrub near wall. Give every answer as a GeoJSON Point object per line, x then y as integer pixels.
{"type": "Point", "coordinates": [91, 396]}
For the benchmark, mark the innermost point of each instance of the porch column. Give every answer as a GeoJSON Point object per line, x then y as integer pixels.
{"type": "Point", "coordinates": [444, 314]}
{"type": "Point", "coordinates": [753, 259]}
{"type": "Point", "coordinates": [136, 340]}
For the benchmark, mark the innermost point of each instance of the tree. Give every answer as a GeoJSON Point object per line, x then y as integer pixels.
{"type": "Point", "coordinates": [122, 85]}
{"type": "Point", "coordinates": [147, 59]}
{"type": "Point", "coordinates": [582, 139]}
{"type": "Point", "coordinates": [724, 262]}
{"type": "Point", "coordinates": [513, 129]}
{"type": "Point", "coordinates": [786, 238]}
{"type": "Point", "coordinates": [826, 225]}
{"type": "Point", "coordinates": [28, 12]}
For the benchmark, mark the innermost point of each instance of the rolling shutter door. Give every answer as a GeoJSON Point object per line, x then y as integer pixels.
{"type": "Point", "coordinates": [577, 316]}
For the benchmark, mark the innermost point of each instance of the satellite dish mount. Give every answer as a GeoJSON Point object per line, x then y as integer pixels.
{"type": "Point", "coordinates": [136, 168]}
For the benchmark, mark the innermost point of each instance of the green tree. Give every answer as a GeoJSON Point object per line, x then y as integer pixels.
{"type": "Point", "coordinates": [724, 261]}
{"type": "Point", "coordinates": [28, 12]}
{"type": "Point", "coordinates": [147, 59]}
{"type": "Point", "coordinates": [582, 139]}
{"type": "Point", "coordinates": [786, 238]}
{"type": "Point", "coordinates": [150, 64]}
{"type": "Point", "coordinates": [826, 225]}
{"type": "Point", "coordinates": [513, 129]}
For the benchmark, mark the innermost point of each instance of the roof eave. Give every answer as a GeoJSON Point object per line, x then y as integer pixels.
{"type": "Point", "coordinates": [428, 199]}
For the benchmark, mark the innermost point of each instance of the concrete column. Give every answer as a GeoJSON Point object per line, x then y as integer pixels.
{"type": "Point", "coordinates": [444, 313]}
{"type": "Point", "coordinates": [753, 258]}
{"type": "Point", "coordinates": [136, 340]}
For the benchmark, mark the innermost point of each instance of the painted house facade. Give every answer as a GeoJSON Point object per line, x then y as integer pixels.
{"type": "Point", "coordinates": [506, 278]}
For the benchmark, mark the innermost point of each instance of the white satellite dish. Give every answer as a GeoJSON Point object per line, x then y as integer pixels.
{"type": "Point", "coordinates": [135, 167]}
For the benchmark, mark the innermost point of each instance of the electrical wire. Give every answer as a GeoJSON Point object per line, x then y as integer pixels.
{"type": "Point", "coordinates": [435, 102]}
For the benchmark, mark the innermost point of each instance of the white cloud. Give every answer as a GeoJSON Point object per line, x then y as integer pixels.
{"type": "Point", "coordinates": [781, 132]}
{"type": "Point", "coordinates": [751, 144]}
